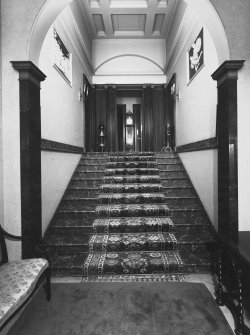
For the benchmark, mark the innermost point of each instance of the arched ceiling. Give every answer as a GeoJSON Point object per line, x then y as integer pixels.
{"type": "Point", "coordinates": [128, 18]}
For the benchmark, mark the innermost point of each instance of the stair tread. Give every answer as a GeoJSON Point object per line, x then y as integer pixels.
{"type": "Point", "coordinates": [171, 240]}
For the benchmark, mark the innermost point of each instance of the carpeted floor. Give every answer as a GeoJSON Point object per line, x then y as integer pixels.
{"type": "Point", "coordinates": [124, 309]}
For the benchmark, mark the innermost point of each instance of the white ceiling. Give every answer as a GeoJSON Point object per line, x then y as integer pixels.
{"type": "Point", "coordinates": [128, 18]}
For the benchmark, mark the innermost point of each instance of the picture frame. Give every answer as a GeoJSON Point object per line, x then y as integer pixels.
{"type": "Point", "coordinates": [62, 58]}
{"type": "Point", "coordinates": [196, 56]}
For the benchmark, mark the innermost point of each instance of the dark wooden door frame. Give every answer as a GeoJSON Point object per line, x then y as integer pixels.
{"type": "Point", "coordinates": [170, 124]}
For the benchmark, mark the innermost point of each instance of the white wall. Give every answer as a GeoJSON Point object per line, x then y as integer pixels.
{"type": "Point", "coordinates": [56, 173]}
{"type": "Point", "coordinates": [62, 115]}
{"type": "Point", "coordinates": [16, 24]}
{"type": "Point", "coordinates": [129, 60]}
{"type": "Point", "coordinates": [196, 110]}
{"type": "Point", "coordinates": [201, 167]}
{"type": "Point", "coordinates": [235, 18]}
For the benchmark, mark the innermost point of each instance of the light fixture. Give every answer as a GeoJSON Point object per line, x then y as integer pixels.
{"type": "Point", "coordinates": [83, 93]}
{"type": "Point", "coordinates": [80, 94]}
{"type": "Point", "coordinates": [178, 95]}
{"type": "Point", "coordinates": [175, 93]}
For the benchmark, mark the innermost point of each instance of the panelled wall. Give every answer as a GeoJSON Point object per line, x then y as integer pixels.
{"type": "Point", "coordinates": [101, 107]}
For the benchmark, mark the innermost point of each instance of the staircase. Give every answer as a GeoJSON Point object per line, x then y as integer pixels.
{"type": "Point", "coordinates": [129, 216]}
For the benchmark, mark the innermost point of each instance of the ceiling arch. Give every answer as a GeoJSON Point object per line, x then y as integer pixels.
{"type": "Point", "coordinates": [52, 8]}
{"type": "Point", "coordinates": [126, 56]}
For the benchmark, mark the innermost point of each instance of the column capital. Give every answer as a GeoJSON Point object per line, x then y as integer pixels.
{"type": "Point", "coordinates": [227, 70]}
{"type": "Point", "coordinates": [29, 71]}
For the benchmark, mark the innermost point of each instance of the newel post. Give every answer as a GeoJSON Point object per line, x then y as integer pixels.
{"type": "Point", "coordinates": [226, 76]}
{"type": "Point", "coordinates": [30, 154]}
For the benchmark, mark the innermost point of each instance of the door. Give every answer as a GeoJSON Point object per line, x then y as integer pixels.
{"type": "Point", "coordinates": [170, 122]}
{"type": "Point", "coordinates": [129, 128]}
{"type": "Point", "coordinates": [137, 113]}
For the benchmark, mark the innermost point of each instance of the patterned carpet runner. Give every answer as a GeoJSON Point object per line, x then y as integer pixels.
{"type": "Point", "coordinates": [133, 235]}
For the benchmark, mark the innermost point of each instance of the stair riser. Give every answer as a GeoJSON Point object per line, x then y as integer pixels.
{"type": "Point", "coordinates": [134, 200]}
{"type": "Point", "coordinates": [75, 215]}
{"type": "Point", "coordinates": [76, 271]}
{"type": "Point", "coordinates": [93, 168]}
{"type": "Point", "coordinates": [180, 214]}
{"type": "Point", "coordinates": [126, 165]}
{"type": "Point", "coordinates": [73, 271]}
{"type": "Point", "coordinates": [131, 189]}
{"type": "Point", "coordinates": [87, 204]}
{"type": "Point", "coordinates": [86, 183]}
{"type": "Point", "coordinates": [81, 193]}
{"type": "Point", "coordinates": [136, 180]}
{"type": "Point", "coordinates": [130, 172]}
{"type": "Point", "coordinates": [160, 155]}
{"type": "Point", "coordinates": [191, 232]}
{"type": "Point", "coordinates": [169, 161]}
{"type": "Point", "coordinates": [95, 155]}
{"type": "Point", "coordinates": [96, 161]}
{"type": "Point", "coordinates": [172, 174]}
{"type": "Point", "coordinates": [170, 167]}
{"type": "Point", "coordinates": [195, 219]}
{"type": "Point", "coordinates": [87, 175]}
{"type": "Point", "coordinates": [175, 183]}
{"type": "Point", "coordinates": [133, 248]}
{"type": "Point", "coordinates": [192, 247]}
{"type": "Point", "coordinates": [132, 158]}
{"type": "Point", "coordinates": [181, 202]}
{"type": "Point", "coordinates": [62, 231]}
{"type": "Point", "coordinates": [84, 248]}
{"type": "Point", "coordinates": [67, 249]}
{"type": "Point", "coordinates": [181, 232]}
{"type": "Point", "coordinates": [178, 192]}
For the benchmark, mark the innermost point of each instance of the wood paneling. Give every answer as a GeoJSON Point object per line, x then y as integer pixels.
{"type": "Point", "coordinates": [147, 119]}
{"type": "Point", "coordinates": [226, 76]}
{"type": "Point", "coordinates": [111, 114]}
{"type": "Point", "coordinates": [90, 120]}
{"type": "Point", "coordinates": [30, 154]}
{"type": "Point", "coordinates": [159, 116]}
{"type": "Point", "coordinates": [102, 108]}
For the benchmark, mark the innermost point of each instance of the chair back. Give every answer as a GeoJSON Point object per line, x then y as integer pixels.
{"type": "Point", "coordinates": [3, 248]}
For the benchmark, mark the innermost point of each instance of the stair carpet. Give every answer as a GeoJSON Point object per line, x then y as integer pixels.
{"type": "Point", "coordinates": [129, 216]}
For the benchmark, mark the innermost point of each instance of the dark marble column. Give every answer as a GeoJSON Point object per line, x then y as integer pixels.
{"type": "Point", "coordinates": [112, 138]}
{"type": "Point", "coordinates": [147, 119]}
{"type": "Point", "coordinates": [30, 137]}
{"type": "Point", "coordinates": [226, 76]}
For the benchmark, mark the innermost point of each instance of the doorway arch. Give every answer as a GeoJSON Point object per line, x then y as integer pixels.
{"type": "Point", "coordinates": [52, 8]}
{"type": "Point", "coordinates": [210, 18]}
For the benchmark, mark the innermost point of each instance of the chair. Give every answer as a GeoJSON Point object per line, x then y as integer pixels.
{"type": "Point", "coordinates": [20, 279]}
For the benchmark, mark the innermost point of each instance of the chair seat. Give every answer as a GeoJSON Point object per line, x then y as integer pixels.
{"type": "Point", "coordinates": [17, 281]}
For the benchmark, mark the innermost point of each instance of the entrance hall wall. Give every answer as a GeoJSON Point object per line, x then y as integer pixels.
{"type": "Point", "coordinates": [62, 116]}
{"type": "Point", "coordinates": [235, 17]}
{"type": "Point", "coordinates": [17, 18]}
{"type": "Point", "coordinates": [196, 114]}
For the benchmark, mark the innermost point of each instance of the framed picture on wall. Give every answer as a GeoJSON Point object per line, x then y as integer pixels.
{"type": "Point", "coordinates": [62, 58]}
{"type": "Point", "coordinates": [196, 56]}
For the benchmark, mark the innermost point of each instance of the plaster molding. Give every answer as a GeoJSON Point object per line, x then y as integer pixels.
{"type": "Point", "coordinates": [29, 71]}
{"type": "Point", "coordinates": [86, 20]}
{"type": "Point", "coordinates": [181, 40]}
{"type": "Point", "coordinates": [228, 70]}
{"type": "Point", "coordinates": [207, 144]}
{"type": "Point", "coordinates": [48, 145]}
{"type": "Point", "coordinates": [128, 55]}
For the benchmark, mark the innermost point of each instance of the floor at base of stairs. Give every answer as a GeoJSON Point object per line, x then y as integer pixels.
{"type": "Point", "coordinates": [206, 279]}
